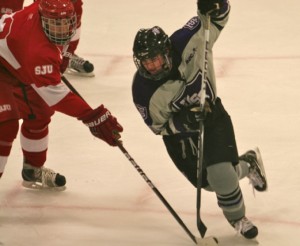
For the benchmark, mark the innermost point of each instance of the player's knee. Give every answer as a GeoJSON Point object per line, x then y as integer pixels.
{"type": "Point", "coordinates": [222, 178]}
{"type": "Point", "coordinates": [33, 127]}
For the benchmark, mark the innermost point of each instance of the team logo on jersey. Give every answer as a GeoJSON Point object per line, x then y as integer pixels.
{"type": "Point", "coordinates": [190, 94]}
{"type": "Point", "coordinates": [5, 107]}
{"type": "Point", "coordinates": [44, 69]}
{"type": "Point", "coordinates": [142, 110]}
{"type": "Point", "coordinates": [192, 23]}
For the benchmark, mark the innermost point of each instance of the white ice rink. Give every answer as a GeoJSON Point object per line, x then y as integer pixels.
{"type": "Point", "coordinates": [107, 202]}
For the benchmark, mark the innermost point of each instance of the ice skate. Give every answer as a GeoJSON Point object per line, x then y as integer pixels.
{"type": "Point", "coordinates": [257, 175]}
{"type": "Point", "coordinates": [42, 178]}
{"type": "Point", "coordinates": [245, 228]}
{"type": "Point", "coordinates": [79, 66]}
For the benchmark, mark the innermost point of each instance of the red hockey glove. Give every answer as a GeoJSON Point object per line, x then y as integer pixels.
{"type": "Point", "coordinates": [103, 125]}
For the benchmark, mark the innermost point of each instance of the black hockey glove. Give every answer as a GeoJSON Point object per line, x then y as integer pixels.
{"type": "Point", "coordinates": [190, 117]}
{"type": "Point", "coordinates": [213, 7]}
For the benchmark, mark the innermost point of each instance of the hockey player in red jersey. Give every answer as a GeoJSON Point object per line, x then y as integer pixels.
{"type": "Point", "coordinates": [31, 45]}
{"type": "Point", "coordinates": [34, 133]}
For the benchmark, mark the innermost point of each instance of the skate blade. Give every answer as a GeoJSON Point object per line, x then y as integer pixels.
{"type": "Point", "coordinates": [38, 186]}
{"type": "Point", "coordinates": [71, 71]}
{"type": "Point", "coordinates": [261, 165]}
{"type": "Point", "coordinates": [207, 241]}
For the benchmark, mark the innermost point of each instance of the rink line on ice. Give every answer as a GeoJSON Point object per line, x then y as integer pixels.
{"type": "Point", "coordinates": [292, 57]}
{"type": "Point", "coordinates": [10, 201]}
{"type": "Point", "coordinates": [114, 62]}
{"type": "Point", "coordinates": [118, 58]}
{"type": "Point", "coordinates": [136, 210]}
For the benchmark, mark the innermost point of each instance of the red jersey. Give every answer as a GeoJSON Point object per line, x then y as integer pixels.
{"type": "Point", "coordinates": [27, 53]}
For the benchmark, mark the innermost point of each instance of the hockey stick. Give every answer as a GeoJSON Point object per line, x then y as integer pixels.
{"type": "Point", "coordinates": [204, 242]}
{"type": "Point", "coordinates": [202, 95]}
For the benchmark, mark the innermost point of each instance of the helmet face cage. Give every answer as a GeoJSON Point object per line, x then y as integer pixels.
{"type": "Point", "coordinates": [59, 31]}
{"type": "Point", "coordinates": [58, 20]}
{"type": "Point", "coordinates": [148, 44]}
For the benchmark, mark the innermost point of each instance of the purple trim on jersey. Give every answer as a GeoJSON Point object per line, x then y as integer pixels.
{"type": "Point", "coordinates": [181, 37]}
{"type": "Point", "coordinates": [142, 91]}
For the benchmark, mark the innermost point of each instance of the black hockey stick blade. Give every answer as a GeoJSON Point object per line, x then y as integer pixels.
{"type": "Point", "coordinates": [201, 227]}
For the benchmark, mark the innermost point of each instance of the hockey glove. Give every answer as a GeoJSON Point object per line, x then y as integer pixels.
{"type": "Point", "coordinates": [103, 125]}
{"type": "Point", "coordinates": [190, 117]}
{"type": "Point", "coordinates": [213, 7]}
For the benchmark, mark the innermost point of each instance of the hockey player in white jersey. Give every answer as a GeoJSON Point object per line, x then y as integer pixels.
{"type": "Point", "coordinates": [165, 91]}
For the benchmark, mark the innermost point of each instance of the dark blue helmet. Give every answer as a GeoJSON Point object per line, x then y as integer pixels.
{"type": "Point", "coordinates": [149, 43]}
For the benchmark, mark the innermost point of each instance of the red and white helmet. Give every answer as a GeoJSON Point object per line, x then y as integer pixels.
{"type": "Point", "coordinates": [58, 20]}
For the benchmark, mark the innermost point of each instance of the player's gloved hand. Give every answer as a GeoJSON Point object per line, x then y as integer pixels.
{"type": "Point", "coordinates": [212, 7]}
{"type": "Point", "coordinates": [191, 116]}
{"type": "Point", "coordinates": [103, 125]}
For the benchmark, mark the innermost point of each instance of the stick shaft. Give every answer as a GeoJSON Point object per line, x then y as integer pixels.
{"type": "Point", "coordinates": [202, 94]}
